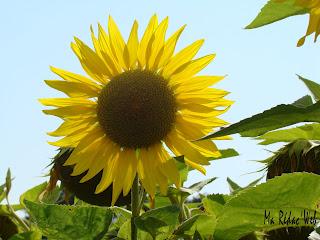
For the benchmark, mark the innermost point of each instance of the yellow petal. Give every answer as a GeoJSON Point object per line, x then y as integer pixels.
{"type": "Point", "coordinates": [148, 180]}
{"type": "Point", "coordinates": [202, 122]}
{"type": "Point", "coordinates": [91, 62]}
{"type": "Point", "coordinates": [145, 40]}
{"type": "Point", "coordinates": [197, 83]}
{"type": "Point", "coordinates": [168, 48]}
{"type": "Point", "coordinates": [74, 89]}
{"type": "Point", "coordinates": [212, 114]}
{"type": "Point", "coordinates": [182, 57]}
{"type": "Point", "coordinates": [180, 146]}
{"type": "Point", "coordinates": [72, 77]}
{"type": "Point", "coordinates": [159, 37]}
{"type": "Point", "coordinates": [168, 168]}
{"type": "Point", "coordinates": [70, 126]}
{"type": "Point", "coordinates": [125, 165]}
{"type": "Point", "coordinates": [191, 131]}
{"type": "Point", "coordinates": [191, 68]}
{"type": "Point", "coordinates": [130, 174]}
{"type": "Point", "coordinates": [207, 148]}
{"type": "Point", "coordinates": [116, 41]}
{"type": "Point", "coordinates": [107, 54]}
{"type": "Point", "coordinates": [131, 49]}
{"type": "Point", "coordinates": [72, 111]}
{"type": "Point", "coordinates": [73, 139]}
{"type": "Point", "coordinates": [104, 156]}
{"type": "Point", "coordinates": [65, 102]}
{"type": "Point", "coordinates": [86, 157]}
{"type": "Point", "coordinates": [108, 173]}
{"type": "Point", "coordinates": [195, 166]}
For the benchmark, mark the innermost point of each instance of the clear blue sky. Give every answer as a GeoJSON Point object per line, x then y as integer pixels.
{"type": "Point", "coordinates": [261, 66]}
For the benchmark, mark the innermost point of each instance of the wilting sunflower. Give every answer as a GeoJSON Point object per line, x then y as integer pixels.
{"type": "Point", "coordinates": [314, 19]}
{"type": "Point", "coordinates": [139, 101]}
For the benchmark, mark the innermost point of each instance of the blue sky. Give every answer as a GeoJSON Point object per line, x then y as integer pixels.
{"type": "Point", "coordinates": [261, 65]}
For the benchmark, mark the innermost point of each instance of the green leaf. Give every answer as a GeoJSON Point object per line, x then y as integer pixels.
{"type": "Point", "coordinates": [303, 102]}
{"type": "Point", "coordinates": [197, 187]}
{"type": "Point", "coordinates": [70, 222]}
{"type": "Point", "coordinates": [213, 203]}
{"type": "Point", "coordinates": [246, 211]}
{"type": "Point", "coordinates": [197, 236]}
{"type": "Point", "coordinates": [33, 193]}
{"type": "Point", "coordinates": [184, 192]}
{"type": "Point", "coordinates": [125, 233]}
{"type": "Point", "coordinates": [226, 153]}
{"type": "Point", "coordinates": [4, 210]}
{"type": "Point", "coordinates": [161, 201]}
{"type": "Point", "coordinates": [184, 168]}
{"type": "Point", "coordinates": [274, 11]}
{"type": "Point", "coordinates": [312, 86]}
{"type": "Point", "coordinates": [2, 192]}
{"type": "Point", "coordinates": [156, 220]}
{"type": "Point", "coordinates": [120, 217]}
{"type": "Point", "coordinates": [235, 188]}
{"type": "Point", "coordinates": [8, 182]}
{"type": "Point", "coordinates": [277, 117]}
{"type": "Point", "coordinates": [34, 235]}
{"type": "Point", "coordinates": [201, 223]}
{"type": "Point", "coordinates": [308, 132]}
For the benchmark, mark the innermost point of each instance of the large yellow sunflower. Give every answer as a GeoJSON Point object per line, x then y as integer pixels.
{"type": "Point", "coordinates": [139, 105]}
{"type": "Point", "coordinates": [314, 19]}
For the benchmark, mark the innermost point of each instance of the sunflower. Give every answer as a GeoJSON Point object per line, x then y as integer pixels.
{"type": "Point", "coordinates": [313, 7]}
{"type": "Point", "coordinates": [140, 105]}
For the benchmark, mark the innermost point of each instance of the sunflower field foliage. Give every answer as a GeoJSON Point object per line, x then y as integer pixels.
{"type": "Point", "coordinates": [140, 120]}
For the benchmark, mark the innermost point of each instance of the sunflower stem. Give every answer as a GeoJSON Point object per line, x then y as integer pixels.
{"type": "Point", "coordinates": [135, 204]}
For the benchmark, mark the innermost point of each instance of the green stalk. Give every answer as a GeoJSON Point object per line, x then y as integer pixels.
{"type": "Point", "coordinates": [135, 204]}
{"type": "Point", "coordinates": [16, 217]}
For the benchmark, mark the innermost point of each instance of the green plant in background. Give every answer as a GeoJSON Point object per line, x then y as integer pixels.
{"type": "Point", "coordinates": [276, 10]}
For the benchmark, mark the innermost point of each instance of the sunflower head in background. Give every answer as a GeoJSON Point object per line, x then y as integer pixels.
{"type": "Point", "coordinates": [298, 156]}
{"type": "Point", "coordinates": [313, 7]}
{"type": "Point", "coordinates": [140, 105]}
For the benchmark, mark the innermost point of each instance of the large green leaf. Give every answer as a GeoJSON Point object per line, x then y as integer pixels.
{"type": "Point", "coordinates": [33, 193]}
{"type": "Point", "coordinates": [38, 193]}
{"type": "Point", "coordinates": [213, 203]}
{"type": "Point", "coordinates": [312, 86]}
{"type": "Point", "coordinates": [274, 11]}
{"type": "Point", "coordinates": [70, 222]}
{"type": "Point", "coordinates": [120, 217]}
{"type": "Point", "coordinates": [158, 220]}
{"type": "Point", "coordinates": [247, 211]}
{"type": "Point", "coordinates": [308, 132]}
{"type": "Point", "coordinates": [202, 223]}
{"type": "Point", "coordinates": [34, 235]}
{"type": "Point", "coordinates": [125, 233]}
{"type": "Point", "coordinates": [277, 117]}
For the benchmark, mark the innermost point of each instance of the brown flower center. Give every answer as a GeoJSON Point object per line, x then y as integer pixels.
{"type": "Point", "coordinates": [137, 109]}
